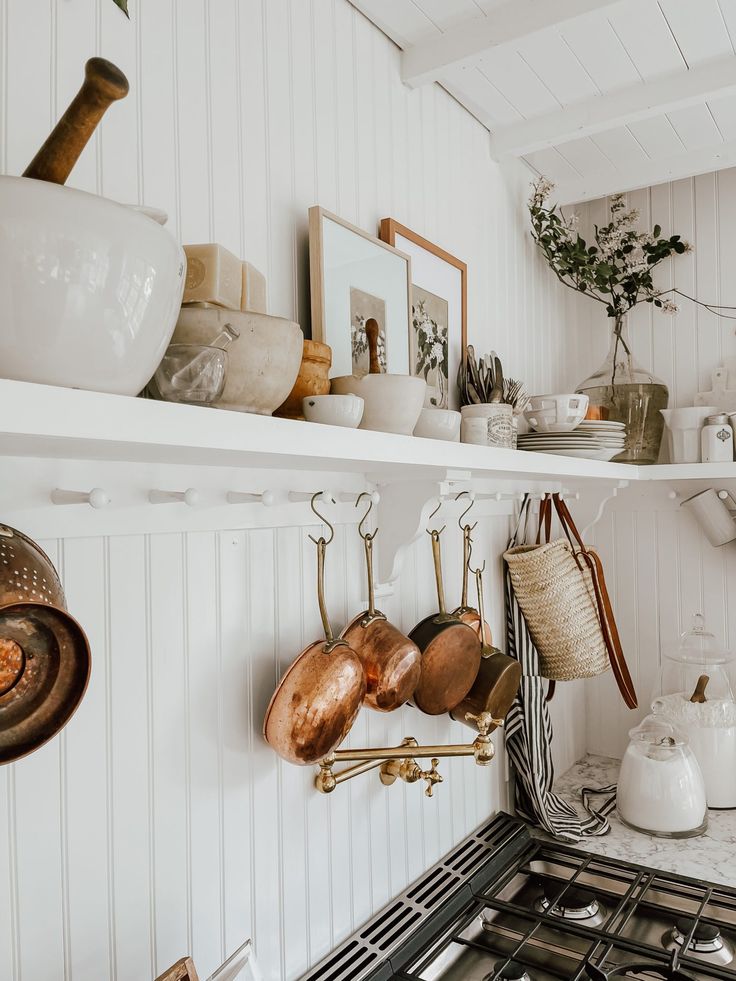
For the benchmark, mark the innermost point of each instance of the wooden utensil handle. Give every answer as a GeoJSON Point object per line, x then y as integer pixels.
{"type": "Point", "coordinates": [371, 333]}
{"type": "Point", "coordinates": [103, 84]}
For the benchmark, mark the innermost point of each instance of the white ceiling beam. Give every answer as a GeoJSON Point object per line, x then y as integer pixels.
{"type": "Point", "coordinates": [647, 173]}
{"type": "Point", "coordinates": [602, 112]}
{"type": "Point", "coordinates": [508, 23]}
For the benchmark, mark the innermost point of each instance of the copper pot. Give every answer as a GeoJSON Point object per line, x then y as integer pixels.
{"type": "Point", "coordinates": [319, 697]}
{"type": "Point", "coordinates": [44, 653]}
{"type": "Point", "coordinates": [497, 683]}
{"type": "Point", "coordinates": [391, 661]}
{"type": "Point", "coordinates": [450, 652]}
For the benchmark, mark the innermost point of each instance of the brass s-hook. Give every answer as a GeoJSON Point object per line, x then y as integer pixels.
{"type": "Point", "coordinates": [460, 519]}
{"type": "Point", "coordinates": [367, 536]}
{"type": "Point", "coordinates": [324, 520]}
{"type": "Point", "coordinates": [431, 531]}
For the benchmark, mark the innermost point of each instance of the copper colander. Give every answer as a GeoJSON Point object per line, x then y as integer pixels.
{"type": "Point", "coordinates": [44, 653]}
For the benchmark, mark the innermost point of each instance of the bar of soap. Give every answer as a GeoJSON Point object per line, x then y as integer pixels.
{"type": "Point", "coordinates": [254, 290]}
{"type": "Point", "coordinates": [214, 275]}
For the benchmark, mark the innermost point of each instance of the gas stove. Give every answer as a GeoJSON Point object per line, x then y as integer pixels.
{"type": "Point", "coordinates": [504, 906]}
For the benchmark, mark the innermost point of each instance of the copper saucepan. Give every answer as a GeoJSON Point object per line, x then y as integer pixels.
{"type": "Point", "coordinates": [497, 682]}
{"type": "Point", "coordinates": [450, 652]}
{"type": "Point", "coordinates": [392, 663]}
{"type": "Point", "coordinates": [317, 700]}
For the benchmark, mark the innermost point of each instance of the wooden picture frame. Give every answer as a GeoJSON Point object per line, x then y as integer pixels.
{"type": "Point", "coordinates": [349, 267]}
{"type": "Point", "coordinates": [183, 970]}
{"type": "Point", "coordinates": [426, 256]}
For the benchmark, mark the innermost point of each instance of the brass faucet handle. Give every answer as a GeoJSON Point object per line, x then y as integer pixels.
{"type": "Point", "coordinates": [484, 722]}
{"type": "Point", "coordinates": [325, 780]}
{"type": "Point", "coordinates": [432, 776]}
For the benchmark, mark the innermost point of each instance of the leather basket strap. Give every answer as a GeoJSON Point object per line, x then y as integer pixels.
{"type": "Point", "coordinates": [606, 617]}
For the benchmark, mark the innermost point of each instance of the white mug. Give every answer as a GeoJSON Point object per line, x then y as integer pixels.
{"type": "Point", "coordinates": [713, 516]}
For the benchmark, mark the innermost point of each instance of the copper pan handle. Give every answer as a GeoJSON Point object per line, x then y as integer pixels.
{"type": "Point", "coordinates": [321, 549]}
{"type": "Point", "coordinates": [466, 565]}
{"type": "Point", "coordinates": [485, 650]}
{"type": "Point", "coordinates": [368, 545]}
{"type": "Point", "coordinates": [437, 558]}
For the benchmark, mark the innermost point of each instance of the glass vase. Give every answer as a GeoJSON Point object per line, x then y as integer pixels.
{"type": "Point", "coordinates": [625, 392]}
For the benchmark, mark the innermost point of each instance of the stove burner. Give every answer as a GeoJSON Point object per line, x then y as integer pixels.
{"type": "Point", "coordinates": [574, 904]}
{"type": "Point", "coordinates": [707, 944]}
{"type": "Point", "coordinates": [513, 971]}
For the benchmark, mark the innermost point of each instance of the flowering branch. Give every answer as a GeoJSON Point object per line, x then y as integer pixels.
{"type": "Point", "coordinates": [617, 270]}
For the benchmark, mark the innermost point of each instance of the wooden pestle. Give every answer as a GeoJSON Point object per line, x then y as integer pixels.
{"type": "Point", "coordinates": [371, 333]}
{"type": "Point", "coordinates": [103, 84]}
{"type": "Point", "coordinates": [698, 696]}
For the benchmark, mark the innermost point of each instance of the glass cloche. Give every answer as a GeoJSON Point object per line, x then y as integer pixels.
{"type": "Point", "coordinates": [696, 694]}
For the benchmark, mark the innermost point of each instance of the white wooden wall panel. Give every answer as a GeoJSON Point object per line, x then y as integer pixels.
{"type": "Point", "coordinates": [661, 568]}
{"type": "Point", "coordinates": [158, 822]}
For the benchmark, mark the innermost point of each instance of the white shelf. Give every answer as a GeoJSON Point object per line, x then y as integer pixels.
{"type": "Point", "coordinates": [42, 421]}
{"type": "Point", "coordinates": [46, 422]}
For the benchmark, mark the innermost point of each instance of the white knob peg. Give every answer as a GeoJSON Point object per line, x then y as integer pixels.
{"type": "Point", "coordinates": [190, 497]}
{"type": "Point", "coordinates": [268, 498]}
{"type": "Point", "coordinates": [350, 497]}
{"type": "Point", "coordinates": [96, 498]}
{"type": "Point", "coordinates": [324, 497]}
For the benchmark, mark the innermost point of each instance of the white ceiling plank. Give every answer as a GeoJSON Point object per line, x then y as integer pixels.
{"type": "Point", "coordinates": [505, 24]}
{"type": "Point", "coordinates": [400, 20]}
{"type": "Point", "coordinates": [551, 59]}
{"type": "Point", "coordinates": [724, 113]}
{"type": "Point", "coordinates": [586, 157]}
{"type": "Point", "coordinates": [553, 165]}
{"type": "Point", "coordinates": [474, 87]}
{"type": "Point", "coordinates": [644, 33]}
{"type": "Point", "coordinates": [599, 50]}
{"type": "Point", "coordinates": [620, 146]}
{"type": "Point", "coordinates": [699, 29]}
{"type": "Point", "coordinates": [518, 84]}
{"type": "Point", "coordinates": [634, 103]}
{"type": "Point", "coordinates": [449, 14]}
{"type": "Point", "coordinates": [648, 173]}
{"type": "Point", "coordinates": [658, 137]}
{"type": "Point", "coordinates": [696, 127]}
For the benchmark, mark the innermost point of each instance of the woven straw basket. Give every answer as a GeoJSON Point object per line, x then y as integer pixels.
{"type": "Point", "coordinates": [558, 601]}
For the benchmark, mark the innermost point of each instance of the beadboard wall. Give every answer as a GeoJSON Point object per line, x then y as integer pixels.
{"type": "Point", "coordinates": [661, 567]}
{"type": "Point", "coordinates": [158, 823]}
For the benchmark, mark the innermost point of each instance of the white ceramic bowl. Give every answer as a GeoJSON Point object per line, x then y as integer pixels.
{"type": "Point", "coordinates": [89, 289]}
{"type": "Point", "coordinates": [333, 410]}
{"type": "Point", "coordinates": [262, 363]}
{"type": "Point", "coordinates": [439, 424]}
{"type": "Point", "coordinates": [556, 413]}
{"type": "Point", "coordinates": [392, 402]}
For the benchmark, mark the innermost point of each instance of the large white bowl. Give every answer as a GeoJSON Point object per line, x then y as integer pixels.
{"type": "Point", "coordinates": [392, 402]}
{"type": "Point", "coordinates": [89, 289]}
{"type": "Point", "coordinates": [333, 410]}
{"type": "Point", "coordinates": [262, 363]}
{"type": "Point", "coordinates": [439, 424]}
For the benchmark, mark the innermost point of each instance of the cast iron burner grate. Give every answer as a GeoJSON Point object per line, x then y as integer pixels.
{"type": "Point", "coordinates": [504, 906]}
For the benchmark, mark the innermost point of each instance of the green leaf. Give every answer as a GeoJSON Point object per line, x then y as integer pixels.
{"type": "Point", "coordinates": [123, 4]}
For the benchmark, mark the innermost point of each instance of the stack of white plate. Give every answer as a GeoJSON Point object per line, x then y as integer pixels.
{"type": "Point", "coordinates": [592, 439]}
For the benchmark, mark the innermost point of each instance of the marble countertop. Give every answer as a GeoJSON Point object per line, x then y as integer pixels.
{"type": "Point", "coordinates": [711, 856]}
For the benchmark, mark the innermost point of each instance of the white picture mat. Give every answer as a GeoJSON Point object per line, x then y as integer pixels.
{"type": "Point", "coordinates": [350, 260]}
{"type": "Point", "coordinates": [432, 273]}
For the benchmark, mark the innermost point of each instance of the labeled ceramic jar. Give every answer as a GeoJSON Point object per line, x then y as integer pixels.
{"type": "Point", "coordinates": [488, 424]}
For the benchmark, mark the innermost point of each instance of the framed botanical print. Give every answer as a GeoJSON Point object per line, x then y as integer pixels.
{"type": "Point", "coordinates": [439, 312]}
{"type": "Point", "coordinates": [355, 278]}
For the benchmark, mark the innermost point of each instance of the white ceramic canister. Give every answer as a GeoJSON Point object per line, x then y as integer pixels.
{"type": "Point", "coordinates": [711, 730]}
{"type": "Point", "coordinates": [660, 786]}
{"type": "Point", "coordinates": [716, 439]}
{"type": "Point", "coordinates": [488, 424]}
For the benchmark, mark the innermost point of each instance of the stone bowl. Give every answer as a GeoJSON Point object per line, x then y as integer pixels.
{"type": "Point", "coordinates": [262, 363]}
{"type": "Point", "coordinates": [393, 403]}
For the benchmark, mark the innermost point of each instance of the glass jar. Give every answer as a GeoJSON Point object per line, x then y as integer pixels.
{"type": "Point", "coordinates": [660, 785]}
{"type": "Point", "coordinates": [695, 693]}
{"type": "Point", "coordinates": [625, 392]}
